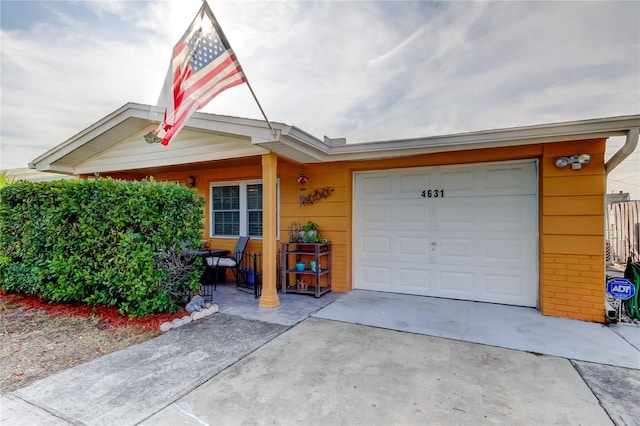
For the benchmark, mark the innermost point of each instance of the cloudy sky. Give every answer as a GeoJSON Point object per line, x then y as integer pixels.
{"type": "Point", "coordinates": [364, 70]}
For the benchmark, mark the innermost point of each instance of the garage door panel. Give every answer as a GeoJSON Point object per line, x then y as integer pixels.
{"type": "Point", "coordinates": [504, 286]}
{"type": "Point", "coordinates": [374, 186]}
{"type": "Point", "coordinates": [373, 213]}
{"type": "Point", "coordinates": [457, 284]}
{"type": "Point", "coordinates": [507, 289]}
{"type": "Point", "coordinates": [507, 213]}
{"type": "Point", "coordinates": [413, 280]}
{"type": "Point", "coordinates": [412, 183]}
{"type": "Point", "coordinates": [504, 177]}
{"type": "Point", "coordinates": [458, 182]}
{"type": "Point", "coordinates": [412, 214]}
{"type": "Point", "coordinates": [456, 214]}
{"type": "Point", "coordinates": [488, 214]}
{"type": "Point", "coordinates": [510, 252]}
{"type": "Point", "coordinates": [412, 246]}
{"type": "Point", "coordinates": [503, 249]}
{"type": "Point", "coordinates": [479, 242]}
{"type": "Point", "coordinates": [455, 250]}
{"type": "Point", "coordinates": [376, 245]}
{"type": "Point", "coordinates": [511, 179]}
{"type": "Point", "coordinates": [377, 275]}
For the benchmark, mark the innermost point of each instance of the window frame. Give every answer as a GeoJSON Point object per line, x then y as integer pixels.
{"type": "Point", "coordinates": [244, 212]}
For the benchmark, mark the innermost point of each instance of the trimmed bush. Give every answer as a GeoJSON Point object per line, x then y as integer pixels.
{"type": "Point", "coordinates": [100, 242]}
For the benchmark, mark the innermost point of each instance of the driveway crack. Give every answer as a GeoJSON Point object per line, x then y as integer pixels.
{"type": "Point", "coordinates": [190, 414]}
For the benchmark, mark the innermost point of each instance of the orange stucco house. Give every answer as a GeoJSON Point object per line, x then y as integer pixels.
{"type": "Point", "coordinates": [512, 216]}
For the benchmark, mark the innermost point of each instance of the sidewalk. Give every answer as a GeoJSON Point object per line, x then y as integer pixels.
{"type": "Point", "coordinates": [126, 387]}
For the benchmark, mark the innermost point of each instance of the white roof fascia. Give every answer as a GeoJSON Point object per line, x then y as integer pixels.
{"type": "Point", "coordinates": [255, 130]}
{"type": "Point", "coordinates": [80, 139]}
{"type": "Point", "coordinates": [297, 145]}
{"type": "Point", "coordinates": [305, 143]}
{"type": "Point", "coordinates": [338, 150]}
{"type": "Point", "coordinates": [579, 130]}
{"type": "Point", "coordinates": [56, 169]}
{"type": "Point", "coordinates": [35, 176]}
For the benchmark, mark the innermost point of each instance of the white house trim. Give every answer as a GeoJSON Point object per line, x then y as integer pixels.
{"type": "Point", "coordinates": [115, 142]}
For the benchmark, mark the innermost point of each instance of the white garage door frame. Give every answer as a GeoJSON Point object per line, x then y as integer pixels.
{"type": "Point", "coordinates": [479, 242]}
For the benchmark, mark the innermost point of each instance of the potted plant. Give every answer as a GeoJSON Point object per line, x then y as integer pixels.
{"type": "Point", "coordinates": [309, 233]}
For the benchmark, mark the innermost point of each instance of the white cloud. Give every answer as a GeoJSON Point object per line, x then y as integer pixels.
{"type": "Point", "coordinates": [362, 70]}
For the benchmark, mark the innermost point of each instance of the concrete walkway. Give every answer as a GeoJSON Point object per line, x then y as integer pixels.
{"type": "Point", "coordinates": [334, 369]}
{"type": "Point", "coordinates": [126, 387]}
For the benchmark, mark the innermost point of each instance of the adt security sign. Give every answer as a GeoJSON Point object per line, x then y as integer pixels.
{"type": "Point", "coordinates": [621, 288]}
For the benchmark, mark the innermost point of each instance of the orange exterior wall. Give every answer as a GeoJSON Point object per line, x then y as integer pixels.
{"type": "Point", "coordinates": [571, 211]}
{"type": "Point", "coordinates": [572, 271]}
{"type": "Point", "coordinates": [333, 214]}
{"type": "Point", "coordinates": [571, 224]}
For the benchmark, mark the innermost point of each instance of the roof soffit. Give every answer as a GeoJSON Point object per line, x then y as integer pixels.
{"type": "Point", "coordinates": [189, 147]}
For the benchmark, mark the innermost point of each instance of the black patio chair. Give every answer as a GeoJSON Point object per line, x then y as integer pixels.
{"type": "Point", "coordinates": [212, 264]}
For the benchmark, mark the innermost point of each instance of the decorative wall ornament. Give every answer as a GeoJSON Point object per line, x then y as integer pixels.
{"type": "Point", "coordinates": [315, 196]}
{"type": "Point", "coordinates": [294, 230]}
{"type": "Point", "coordinates": [302, 179]}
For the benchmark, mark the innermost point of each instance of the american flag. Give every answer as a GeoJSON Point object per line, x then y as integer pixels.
{"type": "Point", "coordinates": [203, 65]}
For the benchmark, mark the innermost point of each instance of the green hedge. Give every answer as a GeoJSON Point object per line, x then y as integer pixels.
{"type": "Point", "coordinates": [100, 242]}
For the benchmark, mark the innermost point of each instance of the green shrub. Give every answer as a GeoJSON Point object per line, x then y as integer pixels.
{"type": "Point", "coordinates": [102, 241]}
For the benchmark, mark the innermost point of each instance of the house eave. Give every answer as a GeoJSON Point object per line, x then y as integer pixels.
{"type": "Point", "coordinates": [78, 154]}
{"type": "Point", "coordinates": [74, 155]}
{"type": "Point", "coordinates": [313, 150]}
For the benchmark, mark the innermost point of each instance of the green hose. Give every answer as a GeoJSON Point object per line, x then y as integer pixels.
{"type": "Point", "coordinates": [632, 273]}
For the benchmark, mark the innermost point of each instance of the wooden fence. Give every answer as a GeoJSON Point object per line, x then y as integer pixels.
{"type": "Point", "coordinates": [623, 231]}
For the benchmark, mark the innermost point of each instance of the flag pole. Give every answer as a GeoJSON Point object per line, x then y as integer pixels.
{"type": "Point", "coordinates": [226, 42]}
{"type": "Point", "coordinates": [273, 132]}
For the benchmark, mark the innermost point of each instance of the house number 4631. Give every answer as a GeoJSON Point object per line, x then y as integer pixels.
{"type": "Point", "coordinates": [433, 193]}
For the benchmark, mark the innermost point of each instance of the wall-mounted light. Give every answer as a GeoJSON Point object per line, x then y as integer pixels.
{"type": "Point", "coordinates": [576, 161]}
{"type": "Point", "coordinates": [192, 181]}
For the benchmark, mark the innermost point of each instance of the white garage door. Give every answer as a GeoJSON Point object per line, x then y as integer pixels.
{"type": "Point", "coordinates": [461, 232]}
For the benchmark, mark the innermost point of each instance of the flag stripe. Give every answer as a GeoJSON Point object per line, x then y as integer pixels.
{"type": "Point", "coordinates": [220, 73]}
{"type": "Point", "coordinates": [188, 107]}
{"type": "Point", "coordinates": [202, 93]}
{"type": "Point", "coordinates": [234, 79]}
{"type": "Point", "coordinates": [213, 71]}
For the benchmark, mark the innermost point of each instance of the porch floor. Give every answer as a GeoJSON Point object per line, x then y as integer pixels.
{"type": "Point", "coordinates": [293, 308]}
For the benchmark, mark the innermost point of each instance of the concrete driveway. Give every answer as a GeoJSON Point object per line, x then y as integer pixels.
{"type": "Point", "coordinates": [324, 372]}
{"type": "Point", "coordinates": [335, 368]}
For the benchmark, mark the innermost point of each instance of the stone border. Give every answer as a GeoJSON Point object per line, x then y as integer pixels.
{"type": "Point", "coordinates": [178, 322]}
